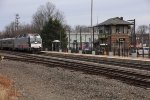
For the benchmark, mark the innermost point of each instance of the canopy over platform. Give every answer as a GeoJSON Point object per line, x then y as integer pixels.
{"type": "Point", "coordinates": [56, 41]}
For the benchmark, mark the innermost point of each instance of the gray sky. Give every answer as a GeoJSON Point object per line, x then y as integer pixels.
{"type": "Point", "coordinates": [77, 12]}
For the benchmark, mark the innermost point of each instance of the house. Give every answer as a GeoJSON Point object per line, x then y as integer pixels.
{"type": "Point", "coordinates": [114, 35]}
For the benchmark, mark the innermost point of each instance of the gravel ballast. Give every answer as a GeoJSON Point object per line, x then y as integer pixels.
{"type": "Point", "coordinates": [39, 82]}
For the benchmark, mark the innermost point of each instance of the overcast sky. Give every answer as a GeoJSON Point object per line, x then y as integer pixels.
{"type": "Point", "coordinates": [77, 12]}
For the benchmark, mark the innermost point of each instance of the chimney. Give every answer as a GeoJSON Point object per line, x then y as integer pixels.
{"type": "Point", "coordinates": [121, 18]}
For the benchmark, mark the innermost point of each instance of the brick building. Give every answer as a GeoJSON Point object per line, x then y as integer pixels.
{"type": "Point", "coordinates": [114, 35]}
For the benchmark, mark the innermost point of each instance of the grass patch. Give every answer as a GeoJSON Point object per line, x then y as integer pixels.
{"type": "Point", "coordinates": [7, 90]}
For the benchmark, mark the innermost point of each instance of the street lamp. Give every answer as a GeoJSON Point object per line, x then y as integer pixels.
{"type": "Point", "coordinates": [133, 36]}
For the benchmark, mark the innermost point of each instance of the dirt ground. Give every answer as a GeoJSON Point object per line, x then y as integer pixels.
{"type": "Point", "coordinates": [39, 82]}
{"type": "Point", "coordinates": [7, 90]}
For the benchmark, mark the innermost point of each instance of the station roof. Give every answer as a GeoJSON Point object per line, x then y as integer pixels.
{"type": "Point", "coordinates": [114, 21]}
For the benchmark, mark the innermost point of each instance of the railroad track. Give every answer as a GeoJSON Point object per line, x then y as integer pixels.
{"type": "Point", "coordinates": [140, 66]}
{"type": "Point", "coordinates": [125, 74]}
{"type": "Point", "coordinates": [95, 60]}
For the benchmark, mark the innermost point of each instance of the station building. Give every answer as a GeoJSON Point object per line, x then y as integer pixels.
{"type": "Point", "coordinates": [114, 36]}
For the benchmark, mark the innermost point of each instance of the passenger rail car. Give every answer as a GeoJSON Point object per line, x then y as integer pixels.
{"type": "Point", "coordinates": [28, 42]}
{"type": "Point", "coordinates": [7, 43]}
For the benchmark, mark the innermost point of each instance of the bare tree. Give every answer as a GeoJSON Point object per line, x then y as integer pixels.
{"type": "Point", "coordinates": [67, 27]}
{"type": "Point", "coordinates": [44, 13]}
{"type": "Point", "coordinates": [9, 30]}
{"type": "Point", "coordinates": [82, 27]}
{"type": "Point", "coordinates": [59, 16]}
{"type": "Point", "coordinates": [22, 28]}
{"type": "Point", "coordinates": [25, 28]}
{"type": "Point", "coordinates": [1, 35]}
{"type": "Point", "coordinates": [142, 29]}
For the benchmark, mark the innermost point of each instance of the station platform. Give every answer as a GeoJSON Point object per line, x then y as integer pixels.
{"type": "Point", "coordinates": [140, 60]}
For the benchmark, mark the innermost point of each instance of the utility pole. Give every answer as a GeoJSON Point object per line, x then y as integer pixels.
{"type": "Point", "coordinates": [80, 40]}
{"type": "Point", "coordinates": [93, 38]}
{"type": "Point", "coordinates": [91, 13]}
{"type": "Point", "coordinates": [69, 39]}
{"type": "Point", "coordinates": [60, 41]}
{"type": "Point", "coordinates": [142, 42]}
{"type": "Point", "coordinates": [76, 44]}
{"type": "Point", "coordinates": [17, 22]}
{"type": "Point", "coordinates": [133, 36]}
{"type": "Point", "coordinates": [91, 20]}
{"type": "Point", "coordinates": [149, 40]}
{"type": "Point", "coordinates": [85, 37]}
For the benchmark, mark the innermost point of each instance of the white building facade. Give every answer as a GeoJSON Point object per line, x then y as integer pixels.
{"type": "Point", "coordinates": [83, 41]}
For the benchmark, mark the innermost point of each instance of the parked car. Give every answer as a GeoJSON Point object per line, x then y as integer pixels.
{"type": "Point", "coordinates": [146, 51]}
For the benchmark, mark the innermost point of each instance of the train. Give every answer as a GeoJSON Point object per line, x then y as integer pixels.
{"type": "Point", "coordinates": [22, 42]}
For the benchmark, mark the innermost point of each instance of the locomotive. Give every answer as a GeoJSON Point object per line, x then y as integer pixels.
{"type": "Point", "coordinates": [24, 42]}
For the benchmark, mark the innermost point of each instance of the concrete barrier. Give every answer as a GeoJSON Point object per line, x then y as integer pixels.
{"type": "Point", "coordinates": [110, 53]}
{"type": "Point", "coordinates": [93, 52]}
{"type": "Point", "coordinates": [134, 55]}
{"type": "Point", "coordinates": [60, 50]}
{"type": "Point", "coordinates": [80, 51]}
{"type": "Point", "coordinates": [69, 51]}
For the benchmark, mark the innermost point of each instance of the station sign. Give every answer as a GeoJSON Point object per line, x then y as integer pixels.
{"type": "Point", "coordinates": [121, 39]}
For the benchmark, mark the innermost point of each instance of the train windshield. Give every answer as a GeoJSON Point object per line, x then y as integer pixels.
{"type": "Point", "coordinates": [36, 38]}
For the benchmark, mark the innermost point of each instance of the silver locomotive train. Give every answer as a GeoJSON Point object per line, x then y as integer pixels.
{"type": "Point", "coordinates": [28, 42]}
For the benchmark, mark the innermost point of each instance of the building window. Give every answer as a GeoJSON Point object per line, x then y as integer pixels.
{"type": "Point", "coordinates": [117, 29]}
{"type": "Point", "coordinates": [121, 29]}
{"type": "Point", "coordinates": [100, 31]}
{"type": "Point", "coordinates": [107, 30]}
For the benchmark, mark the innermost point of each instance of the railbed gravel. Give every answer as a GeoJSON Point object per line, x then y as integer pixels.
{"type": "Point", "coordinates": [40, 82]}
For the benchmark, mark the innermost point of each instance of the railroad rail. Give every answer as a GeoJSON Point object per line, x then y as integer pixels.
{"type": "Point", "coordinates": [104, 60]}
{"type": "Point", "coordinates": [140, 77]}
